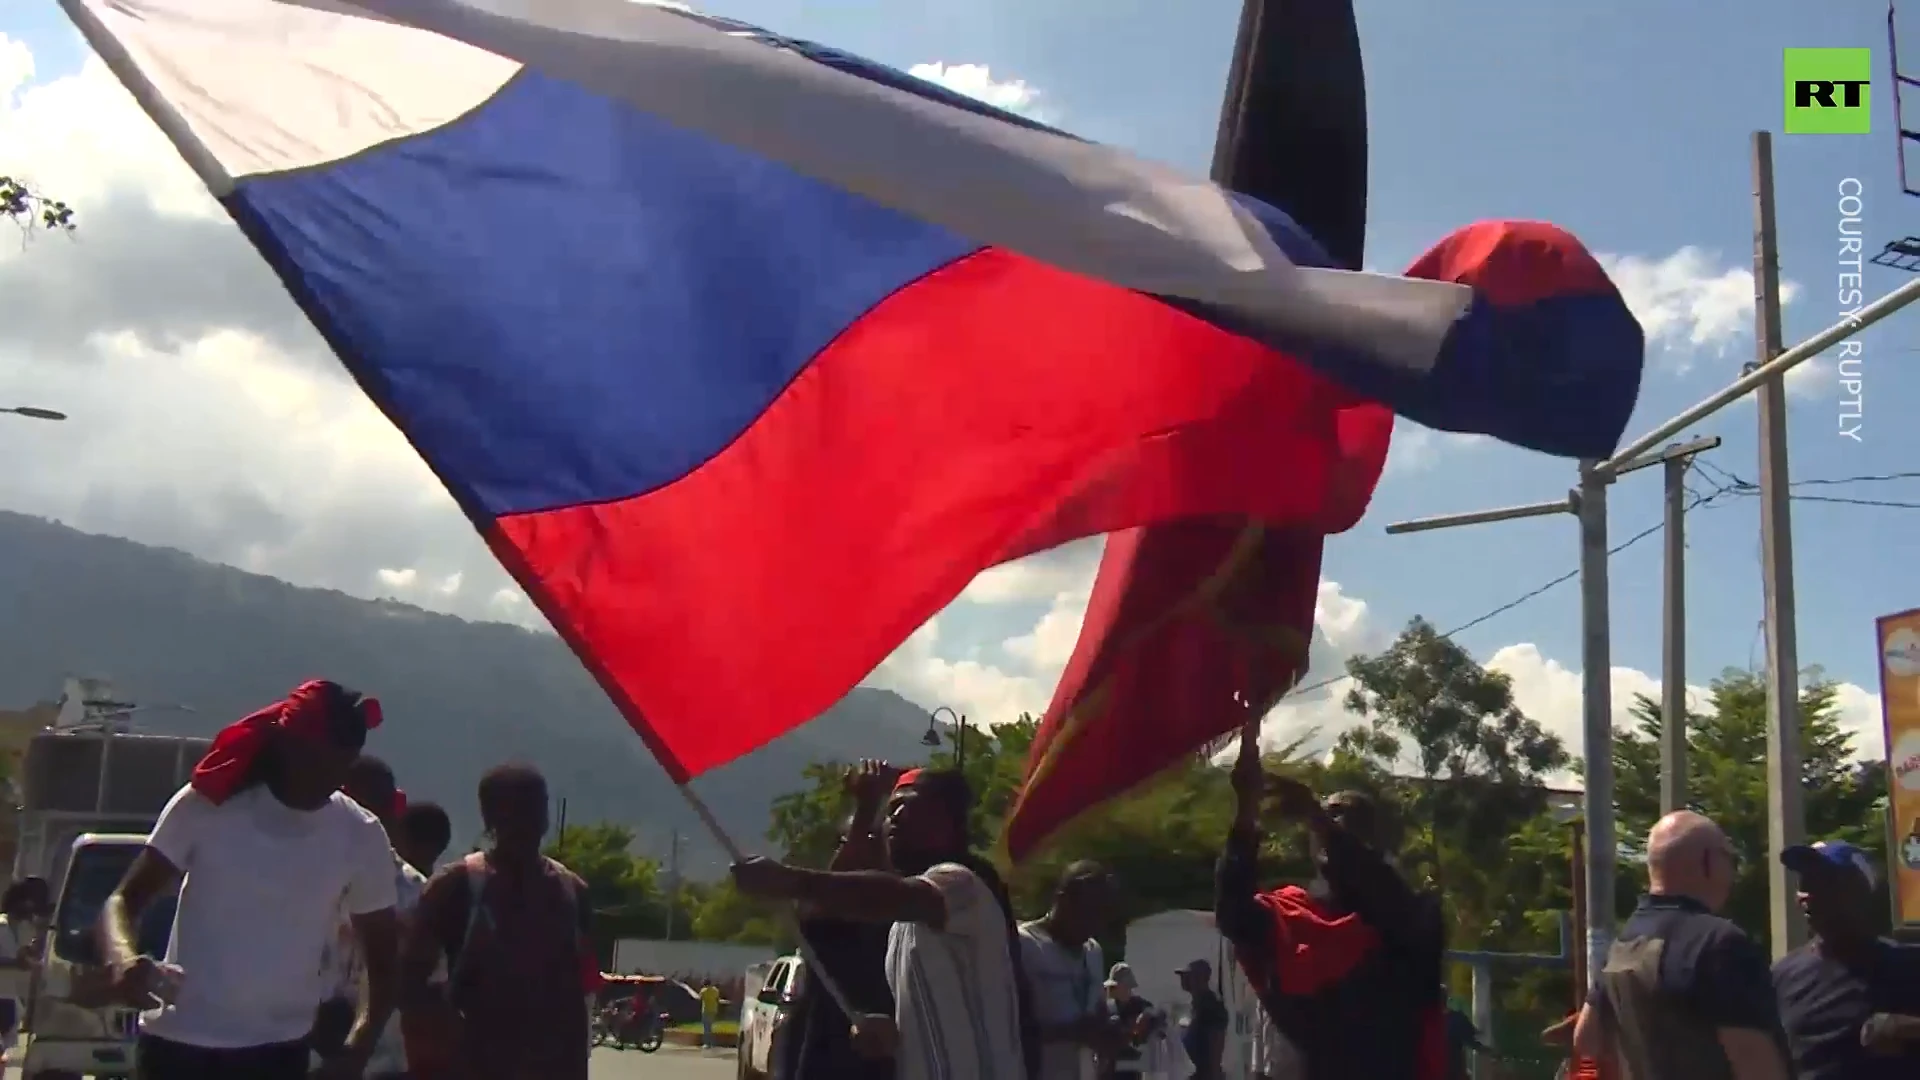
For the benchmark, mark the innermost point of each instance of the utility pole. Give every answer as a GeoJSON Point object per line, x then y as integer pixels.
{"type": "Point", "coordinates": [673, 881]}
{"type": "Point", "coordinates": [1596, 677]}
{"type": "Point", "coordinates": [1588, 503]}
{"type": "Point", "coordinates": [1786, 821]}
{"type": "Point", "coordinates": [1673, 642]}
{"type": "Point", "coordinates": [1674, 462]}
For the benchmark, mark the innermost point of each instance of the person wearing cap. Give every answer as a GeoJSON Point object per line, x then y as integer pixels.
{"type": "Point", "coordinates": [1203, 1031]}
{"type": "Point", "coordinates": [1349, 967]}
{"type": "Point", "coordinates": [1137, 1024]}
{"type": "Point", "coordinates": [953, 962]}
{"type": "Point", "coordinates": [1684, 994]}
{"type": "Point", "coordinates": [1849, 999]}
{"type": "Point", "coordinates": [264, 847]}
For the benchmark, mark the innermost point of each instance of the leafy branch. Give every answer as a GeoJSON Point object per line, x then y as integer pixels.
{"type": "Point", "coordinates": [28, 208]}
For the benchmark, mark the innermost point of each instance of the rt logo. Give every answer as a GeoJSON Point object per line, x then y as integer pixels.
{"type": "Point", "coordinates": [1827, 92]}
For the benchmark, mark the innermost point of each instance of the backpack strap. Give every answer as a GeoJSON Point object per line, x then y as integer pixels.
{"type": "Point", "coordinates": [478, 874]}
{"type": "Point", "coordinates": [574, 901]}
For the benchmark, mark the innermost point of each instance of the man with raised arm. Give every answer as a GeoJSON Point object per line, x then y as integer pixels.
{"type": "Point", "coordinates": [1348, 968]}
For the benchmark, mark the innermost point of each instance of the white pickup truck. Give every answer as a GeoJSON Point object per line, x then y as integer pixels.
{"type": "Point", "coordinates": [90, 788]}
{"type": "Point", "coordinates": [74, 1032]}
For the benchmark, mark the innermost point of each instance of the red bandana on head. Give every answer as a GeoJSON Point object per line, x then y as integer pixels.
{"type": "Point", "coordinates": [906, 779]}
{"type": "Point", "coordinates": [304, 714]}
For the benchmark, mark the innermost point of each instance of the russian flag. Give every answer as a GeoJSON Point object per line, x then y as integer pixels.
{"type": "Point", "coordinates": [746, 355]}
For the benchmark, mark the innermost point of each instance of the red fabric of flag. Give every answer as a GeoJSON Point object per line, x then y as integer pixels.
{"type": "Point", "coordinates": [1167, 661]}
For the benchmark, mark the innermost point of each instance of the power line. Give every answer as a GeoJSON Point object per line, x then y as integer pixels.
{"type": "Point", "coordinates": [1748, 487]}
{"type": "Point", "coordinates": [1870, 478]}
{"type": "Point", "coordinates": [1535, 593]}
{"type": "Point", "coordinates": [1837, 500]}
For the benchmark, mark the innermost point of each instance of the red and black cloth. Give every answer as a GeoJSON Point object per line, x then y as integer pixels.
{"type": "Point", "coordinates": [318, 711]}
{"type": "Point", "coordinates": [1357, 989]}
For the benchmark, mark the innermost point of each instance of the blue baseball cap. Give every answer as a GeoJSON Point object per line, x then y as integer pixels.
{"type": "Point", "coordinates": [1828, 855]}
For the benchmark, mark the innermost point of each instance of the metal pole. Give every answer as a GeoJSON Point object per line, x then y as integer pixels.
{"type": "Point", "coordinates": [1581, 981]}
{"type": "Point", "coordinates": [1483, 1068]}
{"type": "Point", "coordinates": [1673, 644]}
{"type": "Point", "coordinates": [1786, 824]}
{"type": "Point", "coordinates": [673, 881]}
{"type": "Point", "coordinates": [1482, 517]}
{"type": "Point", "coordinates": [1596, 662]}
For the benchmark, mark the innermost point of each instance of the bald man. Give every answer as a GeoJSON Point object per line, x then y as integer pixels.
{"type": "Point", "coordinates": [1685, 994]}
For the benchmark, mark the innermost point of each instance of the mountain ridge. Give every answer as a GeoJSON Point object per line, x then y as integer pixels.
{"type": "Point", "coordinates": [166, 627]}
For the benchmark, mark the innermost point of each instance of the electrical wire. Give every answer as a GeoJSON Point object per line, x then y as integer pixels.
{"type": "Point", "coordinates": [1727, 484]}
{"type": "Point", "coordinates": [1699, 501]}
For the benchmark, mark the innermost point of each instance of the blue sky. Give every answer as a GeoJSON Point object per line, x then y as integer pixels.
{"type": "Point", "coordinates": [1627, 123]}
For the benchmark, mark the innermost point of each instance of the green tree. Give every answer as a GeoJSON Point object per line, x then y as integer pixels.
{"type": "Point", "coordinates": [1481, 768]}
{"type": "Point", "coordinates": [1727, 780]}
{"type": "Point", "coordinates": [623, 889]}
{"type": "Point", "coordinates": [721, 913]}
{"type": "Point", "coordinates": [806, 824]}
{"type": "Point", "coordinates": [30, 209]}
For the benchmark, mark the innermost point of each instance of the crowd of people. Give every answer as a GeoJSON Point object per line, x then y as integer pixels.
{"type": "Point", "coordinates": [316, 934]}
{"type": "Point", "coordinates": [1686, 993]}
{"type": "Point", "coordinates": [918, 969]}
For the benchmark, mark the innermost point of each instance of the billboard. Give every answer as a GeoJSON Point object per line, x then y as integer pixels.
{"type": "Point", "coordinates": [1900, 709]}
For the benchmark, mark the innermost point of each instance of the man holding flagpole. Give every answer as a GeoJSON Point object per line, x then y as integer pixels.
{"type": "Point", "coordinates": [1349, 967]}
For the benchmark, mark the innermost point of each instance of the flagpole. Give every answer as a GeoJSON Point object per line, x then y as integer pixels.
{"type": "Point", "coordinates": [812, 959]}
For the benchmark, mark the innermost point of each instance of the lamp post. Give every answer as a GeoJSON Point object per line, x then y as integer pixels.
{"type": "Point", "coordinates": [932, 737]}
{"type": "Point", "coordinates": [32, 412]}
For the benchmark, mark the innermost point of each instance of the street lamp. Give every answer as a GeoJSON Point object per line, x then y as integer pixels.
{"type": "Point", "coordinates": [932, 737]}
{"type": "Point", "coordinates": [34, 413]}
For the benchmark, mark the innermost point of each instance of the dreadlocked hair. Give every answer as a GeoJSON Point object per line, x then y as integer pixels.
{"type": "Point", "coordinates": [951, 786]}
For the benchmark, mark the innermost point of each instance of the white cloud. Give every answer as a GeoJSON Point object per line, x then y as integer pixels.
{"type": "Point", "coordinates": [1690, 301]}
{"type": "Point", "coordinates": [1415, 449]}
{"type": "Point", "coordinates": [206, 413]}
{"type": "Point", "coordinates": [977, 82]}
{"type": "Point", "coordinates": [985, 692]}
{"type": "Point", "coordinates": [82, 139]}
{"type": "Point", "coordinates": [1041, 577]}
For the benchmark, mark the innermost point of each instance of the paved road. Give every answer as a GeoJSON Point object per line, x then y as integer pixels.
{"type": "Point", "coordinates": [666, 1064]}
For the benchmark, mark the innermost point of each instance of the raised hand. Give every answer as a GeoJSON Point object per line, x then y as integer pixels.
{"type": "Point", "coordinates": [1294, 800]}
{"type": "Point", "coordinates": [870, 783]}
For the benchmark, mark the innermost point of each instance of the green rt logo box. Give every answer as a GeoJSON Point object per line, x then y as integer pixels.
{"type": "Point", "coordinates": [1827, 92]}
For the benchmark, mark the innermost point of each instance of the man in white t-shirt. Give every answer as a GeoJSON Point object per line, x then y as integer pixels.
{"type": "Point", "coordinates": [951, 959]}
{"type": "Point", "coordinates": [265, 849]}
{"type": "Point", "coordinates": [1065, 973]}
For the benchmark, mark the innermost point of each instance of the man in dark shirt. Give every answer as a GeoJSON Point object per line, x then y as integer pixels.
{"type": "Point", "coordinates": [816, 1040]}
{"type": "Point", "coordinates": [1137, 1022]}
{"type": "Point", "coordinates": [1684, 994]}
{"type": "Point", "coordinates": [1204, 1033]}
{"type": "Point", "coordinates": [1348, 969]}
{"type": "Point", "coordinates": [1849, 1000]}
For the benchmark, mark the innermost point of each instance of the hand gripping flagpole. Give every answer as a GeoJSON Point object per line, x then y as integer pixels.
{"type": "Point", "coordinates": [815, 970]}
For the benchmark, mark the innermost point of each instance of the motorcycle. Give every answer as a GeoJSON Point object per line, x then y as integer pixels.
{"type": "Point", "coordinates": [604, 1021]}
{"type": "Point", "coordinates": [644, 1034]}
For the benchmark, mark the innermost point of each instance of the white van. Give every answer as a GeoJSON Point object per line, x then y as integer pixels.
{"type": "Point", "coordinates": [762, 1013]}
